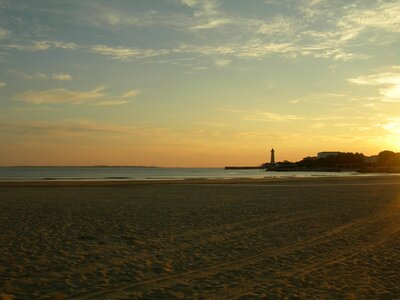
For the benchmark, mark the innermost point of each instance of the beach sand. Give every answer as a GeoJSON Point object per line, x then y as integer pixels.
{"type": "Point", "coordinates": [242, 239]}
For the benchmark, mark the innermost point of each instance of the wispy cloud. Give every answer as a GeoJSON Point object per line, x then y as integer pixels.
{"type": "Point", "coordinates": [118, 101]}
{"type": "Point", "coordinates": [383, 15]}
{"type": "Point", "coordinates": [265, 116]}
{"type": "Point", "coordinates": [122, 53]}
{"type": "Point", "coordinates": [4, 33]}
{"type": "Point", "coordinates": [112, 102]}
{"type": "Point", "coordinates": [392, 125]}
{"type": "Point", "coordinates": [213, 24]}
{"type": "Point", "coordinates": [68, 127]}
{"type": "Point", "coordinates": [277, 26]}
{"type": "Point", "coordinates": [97, 97]}
{"type": "Point", "coordinates": [269, 84]}
{"type": "Point", "coordinates": [42, 45]}
{"type": "Point", "coordinates": [130, 94]}
{"type": "Point", "coordinates": [326, 98]}
{"type": "Point", "coordinates": [119, 15]}
{"type": "Point", "coordinates": [61, 76]}
{"type": "Point", "coordinates": [229, 110]}
{"type": "Point", "coordinates": [79, 127]}
{"type": "Point", "coordinates": [388, 83]}
{"type": "Point", "coordinates": [26, 76]}
{"type": "Point", "coordinates": [253, 49]}
{"type": "Point", "coordinates": [203, 8]}
{"type": "Point", "coordinates": [116, 52]}
{"type": "Point", "coordinates": [60, 95]}
{"type": "Point", "coordinates": [112, 17]}
{"type": "Point", "coordinates": [254, 37]}
{"type": "Point", "coordinates": [222, 62]}
{"type": "Point", "coordinates": [268, 116]}
{"type": "Point", "coordinates": [40, 75]}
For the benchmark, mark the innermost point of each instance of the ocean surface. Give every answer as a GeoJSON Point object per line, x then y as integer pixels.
{"type": "Point", "coordinates": [140, 173]}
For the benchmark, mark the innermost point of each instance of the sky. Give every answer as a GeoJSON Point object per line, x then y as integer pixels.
{"type": "Point", "coordinates": [196, 83]}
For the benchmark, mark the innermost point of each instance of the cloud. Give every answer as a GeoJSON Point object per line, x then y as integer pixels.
{"type": "Point", "coordinates": [222, 62]}
{"type": "Point", "coordinates": [113, 15]}
{"type": "Point", "coordinates": [190, 3]}
{"type": "Point", "coordinates": [95, 97]}
{"type": "Point", "coordinates": [121, 53]}
{"type": "Point", "coordinates": [393, 125]}
{"type": "Point", "coordinates": [388, 83]}
{"type": "Point", "coordinates": [118, 53]}
{"type": "Point", "coordinates": [252, 49]}
{"type": "Point", "coordinates": [26, 76]}
{"type": "Point", "coordinates": [384, 16]}
{"type": "Point", "coordinates": [79, 127]}
{"type": "Point", "coordinates": [2, 85]}
{"type": "Point", "coordinates": [213, 24]}
{"type": "Point", "coordinates": [130, 94]}
{"type": "Point", "coordinates": [203, 8]}
{"type": "Point", "coordinates": [68, 127]}
{"type": "Point", "coordinates": [4, 33]}
{"type": "Point", "coordinates": [42, 45]}
{"type": "Point", "coordinates": [295, 101]}
{"type": "Point", "coordinates": [229, 110]}
{"type": "Point", "coordinates": [269, 84]}
{"type": "Point", "coordinates": [60, 95]}
{"type": "Point", "coordinates": [278, 25]}
{"type": "Point", "coordinates": [288, 36]}
{"type": "Point", "coordinates": [61, 76]}
{"type": "Point", "coordinates": [119, 101]}
{"type": "Point", "coordinates": [254, 38]}
{"type": "Point", "coordinates": [239, 35]}
{"type": "Point", "coordinates": [40, 76]}
{"type": "Point", "coordinates": [271, 117]}
{"type": "Point", "coordinates": [111, 102]}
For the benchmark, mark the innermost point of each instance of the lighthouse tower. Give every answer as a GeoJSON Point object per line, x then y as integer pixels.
{"type": "Point", "coordinates": [272, 156]}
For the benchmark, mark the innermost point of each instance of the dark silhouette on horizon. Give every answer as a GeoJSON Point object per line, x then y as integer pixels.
{"type": "Point", "coordinates": [385, 162]}
{"type": "Point", "coordinates": [335, 161]}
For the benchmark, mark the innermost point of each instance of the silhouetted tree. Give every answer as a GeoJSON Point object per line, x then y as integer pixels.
{"type": "Point", "coordinates": [341, 160]}
{"type": "Point", "coordinates": [397, 160]}
{"type": "Point", "coordinates": [386, 159]}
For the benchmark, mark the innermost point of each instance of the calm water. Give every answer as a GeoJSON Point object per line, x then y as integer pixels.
{"type": "Point", "coordinates": [125, 173]}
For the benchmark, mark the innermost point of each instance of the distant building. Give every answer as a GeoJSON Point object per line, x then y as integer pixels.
{"type": "Point", "coordinates": [327, 153]}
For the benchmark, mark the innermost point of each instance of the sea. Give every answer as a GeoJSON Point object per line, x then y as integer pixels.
{"type": "Point", "coordinates": [146, 173]}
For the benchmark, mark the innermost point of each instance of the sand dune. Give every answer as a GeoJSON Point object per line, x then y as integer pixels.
{"type": "Point", "coordinates": [308, 238]}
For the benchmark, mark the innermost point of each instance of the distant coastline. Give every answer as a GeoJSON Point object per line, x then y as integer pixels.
{"type": "Point", "coordinates": [333, 161]}
{"type": "Point", "coordinates": [242, 168]}
{"type": "Point", "coordinates": [388, 170]}
{"type": "Point", "coordinates": [95, 166]}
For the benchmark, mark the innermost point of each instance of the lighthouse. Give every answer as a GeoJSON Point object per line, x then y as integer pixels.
{"type": "Point", "coordinates": [272, 156]}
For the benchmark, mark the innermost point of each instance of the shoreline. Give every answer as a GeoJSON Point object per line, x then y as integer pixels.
{"type": "Point", "coordinates": [356, 179]}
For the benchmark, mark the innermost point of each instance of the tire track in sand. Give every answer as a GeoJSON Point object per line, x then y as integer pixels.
{"type": "Point", "coordinates": [391, 230]}
{"type": "Point", "coordinates": [216, 268]}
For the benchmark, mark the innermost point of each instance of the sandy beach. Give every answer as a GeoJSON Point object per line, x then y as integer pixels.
{"type": "Point", "coordinates": [204, 239]}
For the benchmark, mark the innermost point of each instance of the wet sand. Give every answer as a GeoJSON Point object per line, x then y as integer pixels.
{"type": "Point", "coordinates": [241, 239]}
